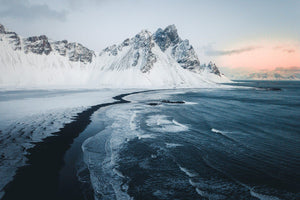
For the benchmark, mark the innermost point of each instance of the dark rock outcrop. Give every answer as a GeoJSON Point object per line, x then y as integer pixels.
{"type": "Point", "coordinates": [167, 37]}
{"type": "Point", "coordinates": [2, 29]}
{"type": "Point", "coordinates": [37, 44]}
{"type": "Point", "coordinates": [13, 39]}
{"type": "Point", "coordinates": [74, 51]}
{"type": "Point", "coordinates": [143, 43]}
{"type": "Point", "coordinates": [212, 68]}
{"type": "Point", "coordinates": [60, 47]}
{"type": "Point", "coordinates": [181, 50]}
{"type": "Point", "coordinates": [77, 52]}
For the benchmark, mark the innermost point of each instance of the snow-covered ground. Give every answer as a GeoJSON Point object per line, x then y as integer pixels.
{"type": "Point", "coordinates": [31, 115]}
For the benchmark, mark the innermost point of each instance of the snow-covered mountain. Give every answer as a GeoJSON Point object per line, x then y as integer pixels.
{"type": "Point", "coordinates": [280, 73]}
{"type": "Point", "coordinates": [161, 60]}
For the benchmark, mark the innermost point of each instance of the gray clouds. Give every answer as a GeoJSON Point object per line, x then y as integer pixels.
{"type": "Point", "coordinates": [285, 49]}
{"type": "Point", "coordinates": [289, 50]}
{"type": "Point", "coordinates": [23, 9]}
{"type": "Point", "coordinates": [80, 3]}
{"type": "Point", "coordinates": [212, 52]}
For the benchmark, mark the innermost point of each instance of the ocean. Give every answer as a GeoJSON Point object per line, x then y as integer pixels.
{"type": "Point", "coordinates": [240, 142]}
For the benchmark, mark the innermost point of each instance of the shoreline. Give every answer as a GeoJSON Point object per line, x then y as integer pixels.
{"type": "Point", "coordinates": [39, 178]}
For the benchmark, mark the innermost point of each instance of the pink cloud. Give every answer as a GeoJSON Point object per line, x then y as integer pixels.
{"type": "Point", "coordinates": [273, 54]}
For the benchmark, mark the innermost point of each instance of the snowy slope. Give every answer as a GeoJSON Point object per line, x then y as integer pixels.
{"type": "Point", "coordinates": [22, 70]}
{"type": "Point", "coordinates": [160, 60]}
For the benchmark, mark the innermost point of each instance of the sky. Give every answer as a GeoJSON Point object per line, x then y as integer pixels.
{"type": "Point", "coordinates": [238, 34]}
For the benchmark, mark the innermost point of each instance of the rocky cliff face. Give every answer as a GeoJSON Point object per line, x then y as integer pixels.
{"type": "Point", "coordinates": [2, 29]}
{"type": "Point", "coordinates": [211, 67]}
{"type": "Point", "coordinates": [11, 37]}
{"type": "Point", "coordinates": [37, 44]}
{"type": "Point", "coordinates": [74, 51]}
{"type": "Point", "coordinates": [169, 40]}
{"type": "Point", "coordinates": [139, 52]}
{"type": "Point", "coordinates": [42, 46]}
{"type": "Point", "coordinates": [167, 37]}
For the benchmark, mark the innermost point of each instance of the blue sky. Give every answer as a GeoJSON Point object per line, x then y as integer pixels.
{"type": "Point", "coordinates": [216, 28]}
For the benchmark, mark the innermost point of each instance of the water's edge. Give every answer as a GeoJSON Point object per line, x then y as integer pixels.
{"type": "Point", "coordinates": [39, 178]}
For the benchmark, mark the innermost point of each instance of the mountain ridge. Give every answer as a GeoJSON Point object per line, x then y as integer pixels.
{"type": "Point", "coordinates": [141, 55]}
{"type": "Point", "coordinates": [280, 73]}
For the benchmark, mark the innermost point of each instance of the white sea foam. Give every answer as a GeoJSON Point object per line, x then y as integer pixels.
{"type": "Point", "coordinates": [179, 124]}
{"type": "Point", "coordinates": [133, 125]}
{"type": "Point", "coordinates": [263, 196]}
{"type": "Point", "coordinates": [224, 133]}
{"type": "Point", "coordinates": [153, 156]}
{"type": "Point", "coordinates": [190, 103]}
{"type": "Point", "coordinates": [192, 183]}
{"type": "Point", "coordinates": [173, 145]}
{"type": "Point", "coordinates": [121, 127]}
{"type": "Point", "coordinates": [217, 131]}
{"type": "Point", "coordinates": [145, 136]}
{"type": "Point", "coordinates": [161, 123]}
{"type": "Point", "coordinates": [157, 120]}
{"type": "Point", "coordinates": [117, 172]}
{"type": "Point", "coordinates": [210, 195]}
{"type": "Point", "coordinates": [189, 173]}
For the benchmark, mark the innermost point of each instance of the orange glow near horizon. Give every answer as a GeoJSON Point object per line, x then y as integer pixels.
{"type": "Point", "coordinates": [267, 55]}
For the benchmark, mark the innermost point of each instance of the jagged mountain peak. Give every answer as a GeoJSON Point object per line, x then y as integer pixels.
{"type": "Point", "coordinates": [75, 51]}
{"type": "Point", "coordinates": [140, 40]}
{"type": "Point", "coordinates": [171, 32]}
{"type": "Point", "coordinates": [37, 44]}
{"type": "Point", "coordinates": [179, 49]}
{"type": "Point", "coordinates": [167, 37]}
{"type": "Point", "coordinates": [212, 67]}
{"type": "Point", "coordinates": [133, 53]}
{"type": "Point", "coordinates": [169, 42]}
{"type": "Point", "coordinates": [43, 46]}
{"type": "Point", "coordinates": [171, 28]}
{"type": "Point", "coordinates": [144, 34]}
{"type": "Point", "coordinates": [11, 37]}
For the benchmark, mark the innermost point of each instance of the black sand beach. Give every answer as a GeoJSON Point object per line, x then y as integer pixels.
{"type": "Point", "coordinates": [39, 178]}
